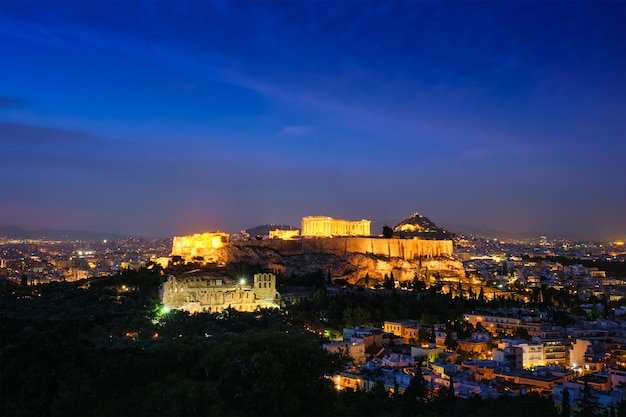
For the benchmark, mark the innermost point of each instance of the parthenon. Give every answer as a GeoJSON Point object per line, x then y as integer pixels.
{"type": "Point", "coordinates": [324, 226]}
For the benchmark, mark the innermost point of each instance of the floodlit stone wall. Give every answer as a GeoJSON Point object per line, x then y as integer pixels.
{"type": "Point", "coordinates": [200, 244]}
{"type": "Point", "coordinates": [407, 249]}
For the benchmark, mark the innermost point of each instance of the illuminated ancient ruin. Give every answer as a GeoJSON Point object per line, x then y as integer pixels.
{"type": "Point", "coordinates": [211, 294]}
{"type": "Point", "coordinates": [198, 245]}
{"type": "Point", "coordinates": [284, 234]}
{"type": "Point", "coordinates": [324, 226]}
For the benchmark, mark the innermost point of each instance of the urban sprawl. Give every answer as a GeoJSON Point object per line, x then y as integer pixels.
{"type": "Point", "coordinates": [556, 320]}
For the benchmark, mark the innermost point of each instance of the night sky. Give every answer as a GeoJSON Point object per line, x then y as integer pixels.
{"type": "Point", "coordinates": [158, 118]}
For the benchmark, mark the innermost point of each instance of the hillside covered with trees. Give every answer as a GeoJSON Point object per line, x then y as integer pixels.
{"type": "Point", "coordinates": [106, 346]}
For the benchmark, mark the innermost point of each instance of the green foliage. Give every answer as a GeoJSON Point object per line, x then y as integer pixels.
{"type": "Point", "coordinates": [104, 347]}
{"type": "Point", "coordinates": [464, 355]}
{"type": "Point", "coordinates": [450, 343]}
{"type": "Point", "coordinates": [463, 329]}
{"type": "Point", "coordinates": [387, 232]}
{"type": "Point", "coordinates": [415, 396]}
{"type": "Point", "coordinates": [621, 408]}
{"type": "Point", "coordinates": [588, 404]}
{"type": "Point", "coordinates": [442, 403]}
{"type": "Point", "coordinates": [389, 282]}
{"type": "Point", "coordinates": [91, 348]}
{"type": "Point", "coordinates": [522, 333]}
{"type": "Point", "coordinates": [313, 279]}
{"type": "Point", "coordinates": [375, 403]}
{"type": "Point", "coordinates": [565, 404]}
{"type": "Point", "coordinates": [352, 309]}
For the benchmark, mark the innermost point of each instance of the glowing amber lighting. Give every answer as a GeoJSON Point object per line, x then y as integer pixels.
{"type": "Point", "coordinates": [200, 244]}
{"type": "Point", "coordinates": [619, 243]}
{"type": "Point", "coordinates": [284, 234]}
{"type": "Point", "coordinates": [410, 228]}
{"type": "Point", "coordinates": [324, 226]}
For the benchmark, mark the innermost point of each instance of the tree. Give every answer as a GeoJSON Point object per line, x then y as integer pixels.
{"type": "Point", "coordinates": [522, 333]}
{"type": "Point", "coordinates": [387, 283]}
{"type": "Point", "coordinates": [588, 404]}
{"type": "Point", "coordinates": [565, 407]}
{"type": "Point", "coordinates": [621, 408]}
{"type": "Point", "coordinates": [423, 336]}
{"type": "Point", "coordinates": [417, 284]}
{"type": "Point", "coordinates": [451, 393]}
{"type": "Point", "coordinates": [387, 232]}
{"type": "Point", "coordinates": [481, 295]}
{"type": "Point", "coordinates": [24, 281]}
{"type": "Point", "coordinates": [414, 397]}
{"type": "Point", "coordinates": [450, 343]}
{"type": "Point", "coordinates": [464, 329]}
{"type": "Point", "coordinates": [594, 314]}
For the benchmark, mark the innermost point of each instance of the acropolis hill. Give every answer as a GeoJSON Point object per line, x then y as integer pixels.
{"type": "Point", "coordinates": [406, 249]}
{"type": "Point", "coordinates": [347, 257]}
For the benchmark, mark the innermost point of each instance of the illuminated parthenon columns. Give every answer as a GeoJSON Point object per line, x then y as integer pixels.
{"type": "Point", "coordinates": [324, 226]}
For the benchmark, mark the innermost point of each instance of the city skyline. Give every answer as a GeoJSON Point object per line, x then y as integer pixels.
{"type": "Point", "coordinates": [159, 119]}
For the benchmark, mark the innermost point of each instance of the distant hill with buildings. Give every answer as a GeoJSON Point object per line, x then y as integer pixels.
{"type": "Point", "coordinates": [489, 233]}
{"type": "Point", "coordinates": [421, 227]}
{"type": "Point", "coordinates": [14, 232]}
{"type": "Point", "coordinates": [505, 235]}
{"type": "Point", "coordinates": [264, 229]}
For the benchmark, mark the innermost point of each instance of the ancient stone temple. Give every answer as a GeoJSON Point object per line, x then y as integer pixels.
{"type": "Point", "coordinates": [324, 226]}
{"type": "Point", "coordinates": [212, 294]}
{"type": "Point", "coordinates": [198, 245]}
{"type": "Point", "coordinates": [283, 234]}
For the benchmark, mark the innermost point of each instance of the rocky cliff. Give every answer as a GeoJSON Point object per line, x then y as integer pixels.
{"type": "Point", "coordinates": [407, 249]}
{"type": "Point", "coordinates": [341, 264]}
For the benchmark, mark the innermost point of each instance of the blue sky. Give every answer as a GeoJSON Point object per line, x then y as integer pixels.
{"type": "Point", "coordinates": [157, 118]}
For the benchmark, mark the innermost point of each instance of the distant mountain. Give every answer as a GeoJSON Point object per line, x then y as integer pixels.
{"type": "Point", "coordinates": [14, 232]}
{"type": "Point", "coordinates": [264, 229]}
{"type": "Point", "coordinates": [505, 235]}
{"type": "Point", "coordinates": [489, 233]}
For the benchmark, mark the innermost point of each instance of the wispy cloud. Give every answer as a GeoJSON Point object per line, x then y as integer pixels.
{"type": "Point", "coordinates": [10, 102]}
{"type": "Point", "coordinates": [296, 130]}
{"type": "Point", "coordinates": [30, 134]}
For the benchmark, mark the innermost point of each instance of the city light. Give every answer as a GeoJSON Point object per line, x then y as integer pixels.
{"type": "Point", "coordinates": [159, 311]}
